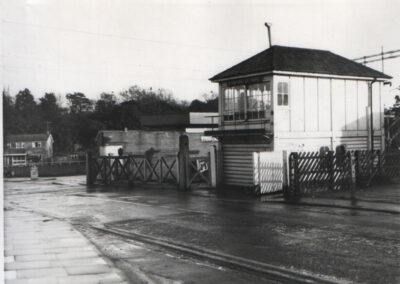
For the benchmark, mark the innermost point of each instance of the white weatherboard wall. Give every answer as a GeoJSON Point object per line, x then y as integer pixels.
{"type": "Point", "coordinates": [110, 150]}
{"type": "Point", "coordinates": [326, 112]}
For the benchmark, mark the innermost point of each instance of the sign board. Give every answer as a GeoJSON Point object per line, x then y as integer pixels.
{"type": "Point", "coordinates": [202, 165]}
{"type": "Point", "coordinates": [34, 173]}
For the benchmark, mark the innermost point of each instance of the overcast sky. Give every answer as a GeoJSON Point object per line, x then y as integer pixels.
{"type": "Point", "coordinates": [96, 46]}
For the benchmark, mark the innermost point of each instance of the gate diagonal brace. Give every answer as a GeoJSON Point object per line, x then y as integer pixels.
{"type": "Point", "coordinates": [169, 170]}
{"type": "Point", "coordinates": [107, 173]}
{"type": "Point", "coordinates": [97, 168]}
{"type": "Point", "coordinates": [123, 168]}
{"type": "Point", "coordinates": [152, 170]}
{"type": "Point", "coordinates": [138, 169]}
{"type": "Point", "coordinates": [197, 173]}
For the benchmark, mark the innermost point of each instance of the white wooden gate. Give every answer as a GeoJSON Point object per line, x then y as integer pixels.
{"type": "Point", "coordinates": [269, 172]}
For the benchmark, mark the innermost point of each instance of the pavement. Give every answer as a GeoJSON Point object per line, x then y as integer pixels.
{"type": "Point", "coordinates": [44, 250]}
{"type": "Point", "coordinates": [380, 198]}
{"type": "Point", "coordinates": [204, 236]}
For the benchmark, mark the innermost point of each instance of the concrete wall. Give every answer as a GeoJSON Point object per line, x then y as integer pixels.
{"type": "Point", "coordinates": [137, 142]}
{"type": "Point", "coordinates": [110, 150]}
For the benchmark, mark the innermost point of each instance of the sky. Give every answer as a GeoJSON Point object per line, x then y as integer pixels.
{"type": "Point", "coordinates": [95, 46]}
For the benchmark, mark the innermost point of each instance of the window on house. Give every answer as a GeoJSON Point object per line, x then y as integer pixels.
{"type": "Point", "coordinates": [18, 160]}
{"type": "Point", "coordinates": [234, 100]}
{"type": "Point", "coordinates": [36, 144]}
{"type": "Point", "coordinates": [19, 145]}
{"type": "Point", "coordinates": [258, 100]}
{"type": "Point", "coordinates": [283, 94]}
{"type": "Point", "coordinates": [8, 145]}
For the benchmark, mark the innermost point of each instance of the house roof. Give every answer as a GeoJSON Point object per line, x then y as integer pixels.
{"type": "Point", "coordinates": [15, 151]}
{"type": "Point", "coordinates": [284, 58]}
{"type": "Point", "coordinates": [27, 137]}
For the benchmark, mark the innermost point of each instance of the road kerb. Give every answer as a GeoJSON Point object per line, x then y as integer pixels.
{"type": "Point", "coordinates": [270, 271]}
{"type": "Point", "coordinates": [335, 205]}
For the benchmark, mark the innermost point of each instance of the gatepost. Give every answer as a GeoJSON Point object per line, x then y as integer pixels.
{"type": "Point", "coordinates": [89, 167]}
{"type": "Point", "coordinates": [220, 166]}
{"type": "Point", "coordinates": [183, 158]}
{"type": "Point", "coordinates": [353, 177]}
{"type": "Point", "coordinates": [34, 172]}
{"type": "Point", "coordinates": [213, 165]}
{"type": "Point", "coordinates": [285, 176]}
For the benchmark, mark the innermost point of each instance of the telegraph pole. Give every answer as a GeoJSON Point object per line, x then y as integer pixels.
{"type": "Point", "coordinates": [47, 126]}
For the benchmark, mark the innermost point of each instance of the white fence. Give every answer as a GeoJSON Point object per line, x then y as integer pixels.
{"type": "Point", "coordinates": [269, 174]}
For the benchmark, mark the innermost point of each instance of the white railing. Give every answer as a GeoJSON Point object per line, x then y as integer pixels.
{"type": "Point", "coordinates": [270, 173]}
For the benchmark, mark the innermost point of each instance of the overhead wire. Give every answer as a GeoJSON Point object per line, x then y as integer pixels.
{"type": "Point", "coordinates": [123, 37]}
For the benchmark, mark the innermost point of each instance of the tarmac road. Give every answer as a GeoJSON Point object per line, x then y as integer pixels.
{"type": "Point", "coordinates": [326, 243]}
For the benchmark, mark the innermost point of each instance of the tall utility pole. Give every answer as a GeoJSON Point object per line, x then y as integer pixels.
{"type": "Point", "coordinates": [382, 56]}
{"type": "Point", "coordinates": [47, 126]}
{"type": "Point", "coordinates": [269, 33]}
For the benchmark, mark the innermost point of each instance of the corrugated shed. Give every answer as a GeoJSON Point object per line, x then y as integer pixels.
{"type": "Point", "coordinates": [238, 163]}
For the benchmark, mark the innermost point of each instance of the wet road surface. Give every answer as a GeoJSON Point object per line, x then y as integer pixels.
{"type": "Point", "coordinates": [341, 245]}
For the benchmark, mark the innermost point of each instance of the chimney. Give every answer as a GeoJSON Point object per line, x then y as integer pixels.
{"type": "Point", "coordinates": [269, 33]}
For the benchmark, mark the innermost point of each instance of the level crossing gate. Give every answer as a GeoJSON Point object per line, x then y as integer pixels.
{"type": "Point", "coordinates": [129, 169]}
{"type": "Point", "coordinates": [132, 169]}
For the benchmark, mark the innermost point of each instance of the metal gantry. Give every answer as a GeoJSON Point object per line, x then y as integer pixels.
{"type": "Point", "coordinates": [382, 56]}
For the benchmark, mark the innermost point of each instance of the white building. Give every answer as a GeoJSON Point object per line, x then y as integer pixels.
{"type": "Point", "coordinates": [22, 148]}
{"type": "Point", "coordinates": [296, 99]}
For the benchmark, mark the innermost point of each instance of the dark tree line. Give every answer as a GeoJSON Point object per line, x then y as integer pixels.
{"type": "Point", "coordinates": [79, 122]}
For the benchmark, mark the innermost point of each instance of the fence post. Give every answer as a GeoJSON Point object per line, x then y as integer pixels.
{"type": "Point", "coordinates": [209, 168]}
{"type": "Point", "coordinates": [116, 166]}
{"type": "Point", "coordinates": [369, 127]}
{"type": "Point", "coordinates": [161, 173]}
{"type": "Point", "coordinates": [357, 166]}
{"type": "Point", "coordinates": [256, 171]}
{"type": "Point", "coordinates": [352, 169]}
{"type": "Point", "coordinates": [177, 167]}
{"type": "Point", "coordinates": [220, 165]}
{"type": "Point", "coordinates": [296, 191]}
{"type": "Point", "coordinates": [105, 160]}
{"type": "Point", "coordinates": [331, 171]}
{"type": "Point", "coordinates": [259, 171]}
{"type": "Point", "coordinates": [183, 162]}
{"type": "Point", "coordinates": [380, 164]}
{"type": "Point", "coordinates": [129, 169]}
{"type": "Point", "coordinates": [89, 168]}
{"type": "Point", "coordinates": [145, 163]}
{"type": "Point", "coordinates": [213, 166]}
{"type": "Point", "coordinates": [285, 183]}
